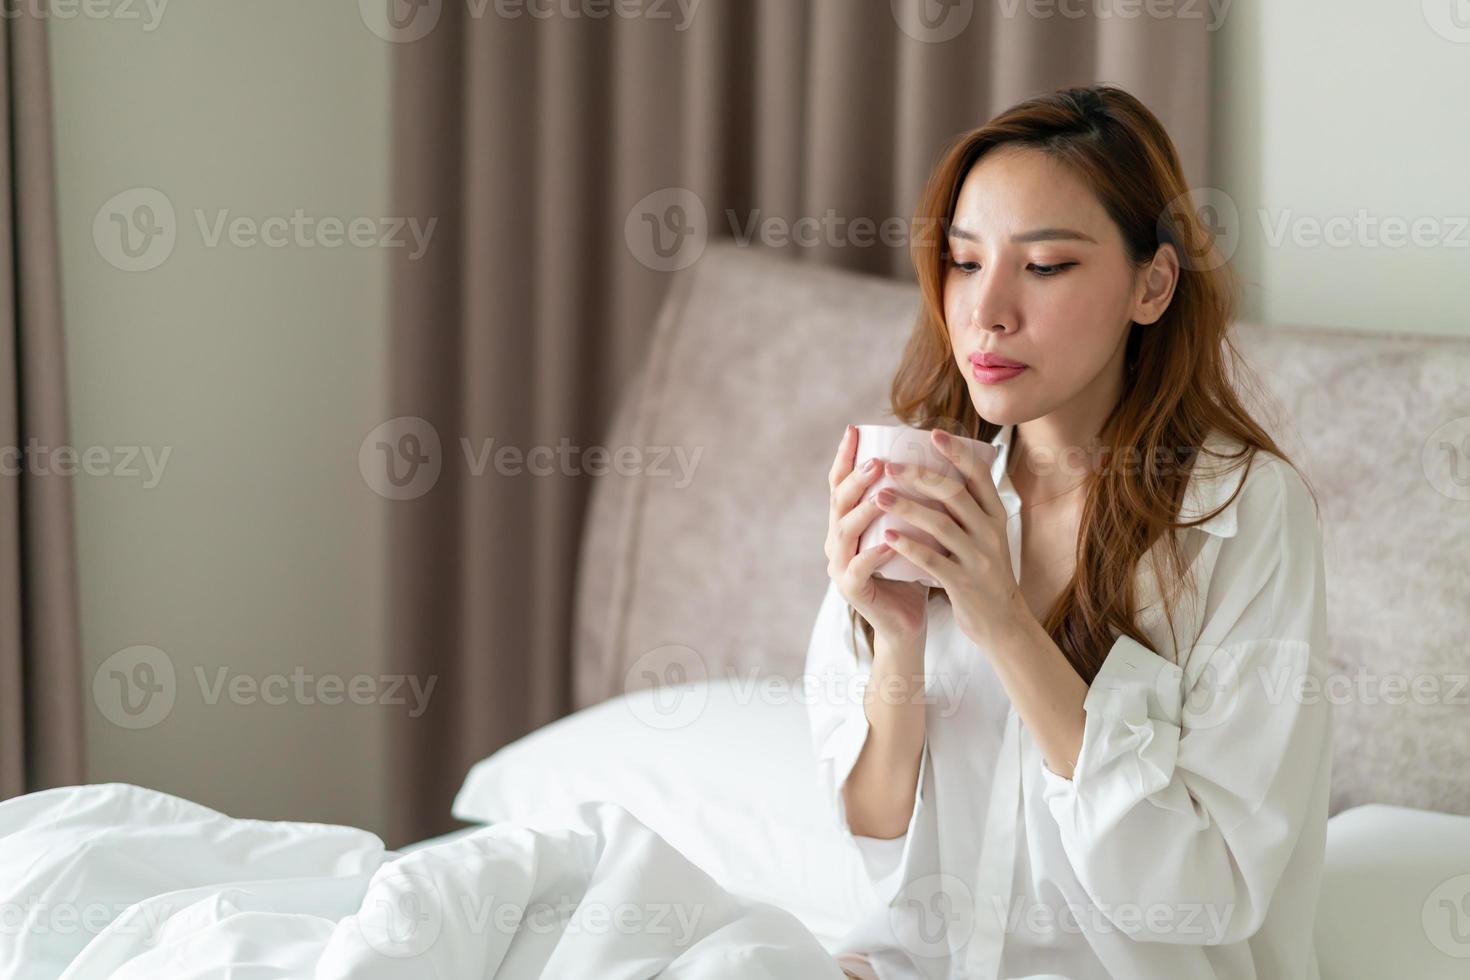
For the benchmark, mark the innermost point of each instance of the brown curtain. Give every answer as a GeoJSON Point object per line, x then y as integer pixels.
{"type": "Point", "coordinates": [537, 142]}
{"type": "Point", "coordinates": [41, 739]}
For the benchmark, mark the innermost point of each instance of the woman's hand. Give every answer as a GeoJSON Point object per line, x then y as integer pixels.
{"type": "Point", "coordinates": [977, 575]}
{"type": "Point", "coordinates": [895, 610]}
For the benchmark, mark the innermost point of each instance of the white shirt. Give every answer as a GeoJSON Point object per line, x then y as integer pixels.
{"type": "Point", "coordinates": [1189, 842]}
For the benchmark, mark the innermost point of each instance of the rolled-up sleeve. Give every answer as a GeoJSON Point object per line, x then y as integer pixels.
{"type": "Point", "coordinates": [1193, 784]}
{"type": "Point", "coordinates": [839, 663]}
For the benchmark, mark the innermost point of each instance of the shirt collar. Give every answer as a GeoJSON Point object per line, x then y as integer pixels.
{"type": "Point", "coordinates": [999, 474]}
{"type": "Point", "coordinates": [1211, 482]}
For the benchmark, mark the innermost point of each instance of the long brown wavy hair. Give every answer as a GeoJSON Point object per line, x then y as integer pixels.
{"type": "Point", "coordinates": [1181, 372]}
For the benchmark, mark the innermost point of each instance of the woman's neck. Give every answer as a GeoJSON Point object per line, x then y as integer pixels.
{"type": "Point", "coordinates": [1045, 464]}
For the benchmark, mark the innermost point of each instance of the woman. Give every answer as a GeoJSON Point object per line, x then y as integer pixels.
{"type": "Point", "coordinates": [1088, 753]}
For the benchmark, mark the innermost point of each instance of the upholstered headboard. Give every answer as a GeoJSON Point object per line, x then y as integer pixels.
{"type": "Point", "coordinates": [713, 559]}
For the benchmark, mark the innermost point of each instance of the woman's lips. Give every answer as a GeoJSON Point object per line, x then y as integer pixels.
{"type": "Point", "coordinates": [993, 375]}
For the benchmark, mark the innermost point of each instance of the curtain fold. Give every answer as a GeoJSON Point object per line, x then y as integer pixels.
{"type": "Point", "coordinates": [41, 728]}
{"type": "Point", "coordinates": [553, 149]}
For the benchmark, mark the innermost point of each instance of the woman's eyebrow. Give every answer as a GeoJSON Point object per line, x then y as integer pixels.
{"type": "Point", "coordinates": [1035, 235]}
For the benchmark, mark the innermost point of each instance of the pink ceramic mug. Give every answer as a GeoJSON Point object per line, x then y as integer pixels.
{"type": "Point", "coordinates": [905, 444]}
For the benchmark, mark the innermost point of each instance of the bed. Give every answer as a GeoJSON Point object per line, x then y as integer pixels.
{"type": "Point", "coordinates": [609, 843]}
{"type": "Point", "coordinates": [761, 361]}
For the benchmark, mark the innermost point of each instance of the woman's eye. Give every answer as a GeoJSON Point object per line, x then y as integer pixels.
{"type": "Point", "coordinates": [1040, 269]}
{"type": "Point", "coordinates": [1047, 271]}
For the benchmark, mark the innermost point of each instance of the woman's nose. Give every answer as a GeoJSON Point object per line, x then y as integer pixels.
{"type": "Point", "coordinates": [992, 306]}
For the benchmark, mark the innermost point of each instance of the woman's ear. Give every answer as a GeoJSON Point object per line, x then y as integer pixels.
{"type": "Point", "coordinates": [1156, 285]}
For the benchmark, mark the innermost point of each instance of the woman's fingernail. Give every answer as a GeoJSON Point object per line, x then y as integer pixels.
{"type": "Point", "coordinates": [886, 497]}
{"type": "Point", "coordinates": [941, 438]}
{"type": "Point", "coordinates": [871, 464]}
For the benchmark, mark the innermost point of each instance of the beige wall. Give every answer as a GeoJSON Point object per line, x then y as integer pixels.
{"type": "Point", "coordinates": [1331, 110]}
{"type": "Point", "coordinates": [258, 368]}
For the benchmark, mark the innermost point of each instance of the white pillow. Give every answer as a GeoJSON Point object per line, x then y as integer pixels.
{"type": "Point", "coordinates": [1395, 898]}
{"type": "Point", "coordinates": [723, 771]}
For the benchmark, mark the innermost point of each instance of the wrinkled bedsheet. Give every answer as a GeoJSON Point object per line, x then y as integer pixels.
{"type": "Point", "coordinates": [113, 880]}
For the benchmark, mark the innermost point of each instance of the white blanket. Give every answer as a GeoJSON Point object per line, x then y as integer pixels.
{"type": "Point", "coordinates": [118, 881]}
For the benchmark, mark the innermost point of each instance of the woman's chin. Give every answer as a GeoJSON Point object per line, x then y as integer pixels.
{"type": "Point", "coordinates": [998, 407]}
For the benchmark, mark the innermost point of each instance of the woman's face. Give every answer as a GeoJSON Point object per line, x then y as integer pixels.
{"type": "Point", "coordinates": [1039, 274]}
